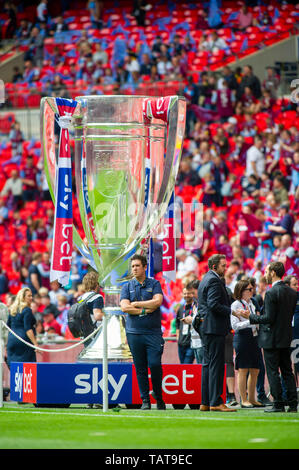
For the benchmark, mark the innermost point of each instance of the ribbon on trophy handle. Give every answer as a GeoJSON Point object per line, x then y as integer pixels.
{"type": "Point", "coordinates": [159, 108]}
{"type": "Point", "coordinates": [62, 247]}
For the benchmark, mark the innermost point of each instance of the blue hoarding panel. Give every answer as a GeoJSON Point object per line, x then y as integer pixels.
{"type": "Point", "coordinates": [83, 383]}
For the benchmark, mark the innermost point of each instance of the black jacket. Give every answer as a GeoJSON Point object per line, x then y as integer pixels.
{"type": "Point", "coordinates": [214, 305]}
{"type": "Point", "coordinates": [276, 317]}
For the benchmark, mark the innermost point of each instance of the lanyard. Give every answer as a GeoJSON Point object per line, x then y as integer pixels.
{"type": "Point", "coordinates": [190, 311]}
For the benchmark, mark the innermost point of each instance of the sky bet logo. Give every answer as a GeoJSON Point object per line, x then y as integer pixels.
{"type": "Point", "coordinates": [25, 383]}
{"type": "Point", "coordinates": [90, 383]}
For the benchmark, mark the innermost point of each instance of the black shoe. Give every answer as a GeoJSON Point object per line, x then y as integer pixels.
{"type": "Point", "coordinates": [275, 409]}
{"type": "Point", "coordinates": [265, 401]}
{"type": "Point", "coordinates": [232, 402]}
{"type": "Point", "coordinates": [293, 407]}
{"type": "Point", "coordinates": [161, 405]}
{"type": "Point", "coordinates": [145, 405]}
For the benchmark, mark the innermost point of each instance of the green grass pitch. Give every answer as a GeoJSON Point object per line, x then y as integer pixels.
{"type": "Point", "coordinates": [27, 427]}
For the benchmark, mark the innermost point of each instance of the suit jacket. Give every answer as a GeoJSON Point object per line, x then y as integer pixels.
{"type": "Point", "coordinates": [214, 305]}
{"type": "Point", "coordinates": [276, 317]}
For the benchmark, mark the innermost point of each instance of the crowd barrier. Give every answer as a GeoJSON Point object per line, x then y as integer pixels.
{"type": "Point", "coordinates": [116, 382]}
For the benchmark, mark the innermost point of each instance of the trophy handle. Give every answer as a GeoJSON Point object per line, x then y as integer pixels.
{"type": "Point", "coordinates": [48, 111]}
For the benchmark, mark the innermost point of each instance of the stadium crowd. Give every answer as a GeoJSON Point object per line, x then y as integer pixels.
{"type": "Point", "coordinates": [240, 160]}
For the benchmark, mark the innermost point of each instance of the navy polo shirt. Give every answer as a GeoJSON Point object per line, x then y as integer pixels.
{"type": "Point", "coordinates": [134, 291]}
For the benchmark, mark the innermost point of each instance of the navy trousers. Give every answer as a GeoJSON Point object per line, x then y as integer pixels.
{"type": "Point", "coordinates": [212, 369]}
{"type": "Point", "coordinates": [147, 350]}
{"type": "Point", "coordinates": [186, 354]}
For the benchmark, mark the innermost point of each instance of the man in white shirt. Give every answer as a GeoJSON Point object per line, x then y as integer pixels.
{"type": "Point", "coordinates": [13, 185]}
{"type": "Point", "coordinates": [255, 159]}
{"type": "Point", "coordinates": [215, 43]}
{"type": "Point", "coordinates": [132, 65]}
{"type": "Point", "coordinates": [187, 264]}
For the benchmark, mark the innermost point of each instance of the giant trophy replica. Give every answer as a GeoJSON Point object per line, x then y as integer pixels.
{"type": "Point", "coordinates": [127, 154]}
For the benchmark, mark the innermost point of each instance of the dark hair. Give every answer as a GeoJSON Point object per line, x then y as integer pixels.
{"type": "Point", "coordinates": [214, 260]}
{"type": "Point", "coordinates": [192, 284]}
{"type": "Point", "coordinates": [140, 258]}
{"type": "Point", "coordinates": [252, 281]}
{"type": "Point", "coordinates": [277, 267]}
{"type": "Point", "coordinates": [240, 287]}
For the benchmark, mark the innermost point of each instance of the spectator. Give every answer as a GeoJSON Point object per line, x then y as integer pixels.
{"type": "Point", "coordinates": [48, 307]}
{"type": "Point", "coordinates": [187, 176]}
{"type": "Point", "coordinates": [146, 65]}
{"type": "Point", "coordinates": [96, 8]}
{"type": "Point", "coordinates": [35, 53]}
{"type": "Point", "coordinates": [17, 75]}
{"type": "Point", "coordinates": [292, 281]}
{"type": "Point", "coordinates": [202, 20]}
{"type": "Point", "coordinates": [3, 282]}
{"type": "Point", "coordinates": [279, 190]}
{"type": "Point", "coordinates": [59, 89]}
{"type": "Point", "coordinates": [255, 159]}
{"type": "Point", "coordinates": [215, 43]}
{"type": "Point", "coordinates": [16, 138]}
{"type": "Point", "coordinates": [3, 212]}
{"type": "Point", "coordinates": [229, 77]}
{"type": "Point", "coordinates": [99, 54]}
{"type": "Point", "coordinates": [251, 81]}
{"type": "Point", "coordinates": [28, 175]}
{"type": "Point", "coordinates": [22, 322]}
{"type": "Point", "coordinates": [285, 222]}
{"type": "Point", "coordinates": [49, 323]}
{"type": "Point", "coordinates": [11, 11]}
{"type": "Point", "coordinates": [55, 291]}
{"type": "Point", "coordinates": [63, 308]}
{"type": "Point", "coordinates": [31, 73]}
{"type": "Point", "coordinates": [13, 189]}
{"type": "Point", "coordinates": [132, 64]}
{"type": "Point", "coordinates": [285, 248]}
{"type": "Point", "coordinates": [23, 32]}
{"type": "Point", "coordinates": [59, 26]}
{"type": "Point", "coordinates": [246, 346]}
{"type": "Point", "coordinates": [244, 19]}
{"type": "Point", "coordinates": [156, 47]}
{"type": "Point", "coordinates": [271, 82]}
{"type": "Point", "coordinates": [42, 11]}
{"type": "Point", "coordinates": [295, 173]}
{"type": "Point", "coordinates": [34, 276]}
{"type": "Point", "coordinates": [187, 264]}
{"type": "Point", "coordinates": [224, 100]}
{"type": "Point", "coordinates": [44, 269]}
{"type": "Point", "coordinates": [176, 47]}
{"type": "Point", "coordinates": [140, 7]}
{"type": "Point", "coordinates": [183, 330]}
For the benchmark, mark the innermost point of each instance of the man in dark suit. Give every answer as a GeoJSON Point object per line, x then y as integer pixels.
{"type": "Point", "coordinates": [214, 308]}
{"type": "Point", "coordinates": [275, 336]}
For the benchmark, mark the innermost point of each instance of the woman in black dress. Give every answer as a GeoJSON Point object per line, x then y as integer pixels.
{"type": "Point", "coordinates": [22, 322]}
{"type": "Point", "coordinates": [246, 346]}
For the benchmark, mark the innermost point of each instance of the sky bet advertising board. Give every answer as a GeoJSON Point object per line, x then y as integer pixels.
{"type": "Point", "coordinates": [46, 383]}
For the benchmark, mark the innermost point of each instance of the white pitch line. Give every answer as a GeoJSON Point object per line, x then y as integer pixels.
{"type": "Point", "coordinates": [147, 416]}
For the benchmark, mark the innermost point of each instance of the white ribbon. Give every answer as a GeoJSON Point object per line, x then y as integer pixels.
{"type": "Point", "coordinates": [64, 122]}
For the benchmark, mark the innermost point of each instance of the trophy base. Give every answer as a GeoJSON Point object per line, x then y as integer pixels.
{"type": "Point", "coordinates": [118, 348]}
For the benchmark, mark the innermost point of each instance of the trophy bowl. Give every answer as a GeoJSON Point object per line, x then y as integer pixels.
{"type": "Point", "coordinates": [126, 163]}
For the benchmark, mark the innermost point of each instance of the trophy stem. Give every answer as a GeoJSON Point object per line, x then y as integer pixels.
{"type": "Point", "coordinates": [117, 346]}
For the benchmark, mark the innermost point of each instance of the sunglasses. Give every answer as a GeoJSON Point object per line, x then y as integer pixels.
{"type": "Point", "coordinates": [250, 290]}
